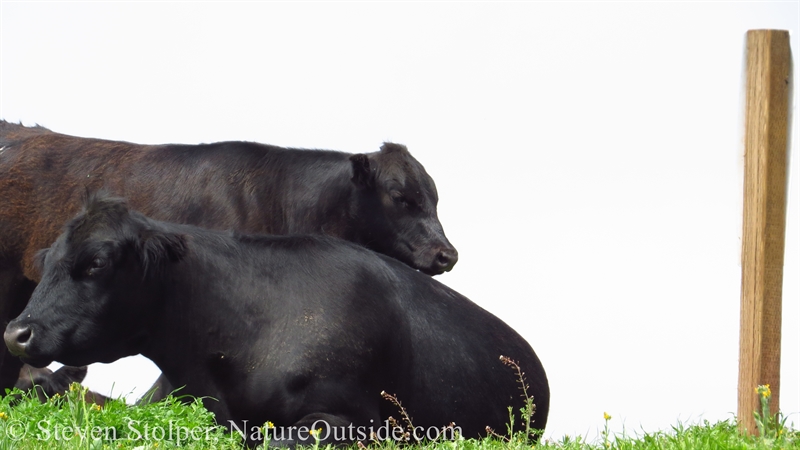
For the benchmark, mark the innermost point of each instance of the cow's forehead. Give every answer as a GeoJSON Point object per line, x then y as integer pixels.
{"type": "Point", "coordinates": [102, 226]}
{"type": "Point", "coordinates": [404, 170]}
{"type": "Point", "coordinates": [100, 213]}
{"type": "Point", "coordinates": [72, 241]}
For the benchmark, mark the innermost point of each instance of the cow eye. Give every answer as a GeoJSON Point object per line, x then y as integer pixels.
{"type": "Point", "coordinates": [403, 201]}
{"type": "Point", "coordinates": [97, 264]}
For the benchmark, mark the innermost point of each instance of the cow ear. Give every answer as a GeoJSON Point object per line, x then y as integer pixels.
{"type": "Point", "coordinates": [157, 249]}
{"type": "Point", "coordinates": [38, 260]}
{"type": "Point", "coordinates": [363, 174]}
{"type": "Point", "coordinates": [391, 147]}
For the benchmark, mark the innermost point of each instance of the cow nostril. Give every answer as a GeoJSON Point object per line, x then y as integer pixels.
{"type": "Point", "coordinates": [24, 335]}
{"type": "Point", "coordinates": [446, 259]}
{"type": "Point", "coordinates": [17, 339]}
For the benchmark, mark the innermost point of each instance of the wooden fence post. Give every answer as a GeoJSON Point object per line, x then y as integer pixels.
{"type": "Point", "coordinates": [766, 129]}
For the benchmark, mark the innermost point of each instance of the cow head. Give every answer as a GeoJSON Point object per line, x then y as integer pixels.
{"type": "Point", "coordinates": [47, 383]}
{"type": "Point", "coordinates": [96, 287]}
{"type": "Point", "coordinates": [396, 210]}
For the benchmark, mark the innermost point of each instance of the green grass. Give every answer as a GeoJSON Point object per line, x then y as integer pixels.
{"type": "Point", "coordinates": [69, 423]}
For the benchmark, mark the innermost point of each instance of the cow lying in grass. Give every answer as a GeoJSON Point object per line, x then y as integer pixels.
{"type": "Point", "coordinates": [45, 383]}
{"type": "Point", "coordinates": [302, 331]}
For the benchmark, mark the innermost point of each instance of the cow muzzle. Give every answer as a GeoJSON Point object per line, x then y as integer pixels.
{"type": "Point", "coordinates": [443, 261]}
{"type": "Point", "coordinates": [17, 338]}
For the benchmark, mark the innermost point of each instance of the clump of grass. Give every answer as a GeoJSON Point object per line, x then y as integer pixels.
{"type": "Point", "coordinates": [706, 435]}
{"type": "Point", "coordinates": [69, 422]}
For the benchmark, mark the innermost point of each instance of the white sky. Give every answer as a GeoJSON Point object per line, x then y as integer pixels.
{"type": "Point", "coordinates": [588, 158]}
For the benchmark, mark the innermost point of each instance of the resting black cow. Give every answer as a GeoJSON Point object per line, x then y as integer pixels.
{"type": "Point", "coordinates": [383, 200]}
{"type": "Point", "coordinates": [45, 383]}
{"type": "Point", "coordinates": [290, 329]}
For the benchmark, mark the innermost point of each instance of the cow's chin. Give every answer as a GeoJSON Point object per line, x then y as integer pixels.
{"type": "Point", "coordinates": [427, 267]}
{"type": "Point", "coordinates": [431, 272]}
{"type": "Point", "coordinates": [37, 362]}
{"type": "Point", "coordinates": [415, 263]}
{"type": "Point", "coordinates": [72, 360]}
{"type": "Point", "coordinates": [106, 354]}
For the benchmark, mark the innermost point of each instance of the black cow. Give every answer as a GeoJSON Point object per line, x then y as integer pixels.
{"type": "Point", "coordinates": [297, 330]}
{"type": "Point", "coordinates": [384, 200]}
{"type": "Point", "coordinates": [45, 383]}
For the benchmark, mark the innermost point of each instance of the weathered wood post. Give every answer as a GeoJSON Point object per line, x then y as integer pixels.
{"type": "Point", "coordinates": [766, 129]}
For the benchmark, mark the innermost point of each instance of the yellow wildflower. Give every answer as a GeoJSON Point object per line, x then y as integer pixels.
{"type": "Point", "coordinates": [316, 432]}
{"type": "Point", "coordinates": [606, 416]}
{"type": "Point", "coordinates": [764, 391]}
{"type": "Point", "coordinates": [96, 407]}
{"type": "Point", "coordinates": [270, 424]}
{"type": "Point", "coordinates": [3, 415]}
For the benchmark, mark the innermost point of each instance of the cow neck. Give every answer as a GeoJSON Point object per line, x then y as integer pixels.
{"type": "Point", "coordinates": [320, 195]}
{"type": "Point", "coordinates": [199, 323]}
